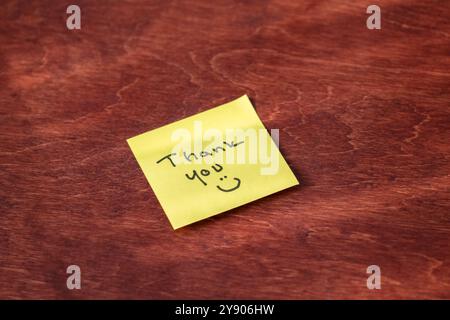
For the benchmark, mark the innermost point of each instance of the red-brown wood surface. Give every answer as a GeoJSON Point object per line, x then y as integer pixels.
{"type": "Point", "coordinates": [364, 123]}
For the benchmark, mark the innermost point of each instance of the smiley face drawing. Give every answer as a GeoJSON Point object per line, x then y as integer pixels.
{"type": "Point", "coordinates": [237, 185]}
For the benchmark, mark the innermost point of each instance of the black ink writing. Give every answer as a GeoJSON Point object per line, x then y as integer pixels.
{"type": "Point", "coordinates": [226, 185]}
{"type": "Point", "coordinates": [167, 157]}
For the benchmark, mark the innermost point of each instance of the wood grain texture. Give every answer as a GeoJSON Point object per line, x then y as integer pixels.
{"type": "Point", "coordinates": [364, 122]}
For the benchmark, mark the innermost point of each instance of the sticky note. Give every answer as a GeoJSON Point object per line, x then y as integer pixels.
{"type": "Point", "coordinates": [212, 162]}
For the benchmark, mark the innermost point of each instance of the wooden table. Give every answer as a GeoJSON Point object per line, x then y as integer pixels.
{"type": "Point", "coordinates": [364, 123]}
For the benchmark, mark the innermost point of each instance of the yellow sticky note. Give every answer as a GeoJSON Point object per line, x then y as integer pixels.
{"type": "Point", "coordinates": [211, 162]}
